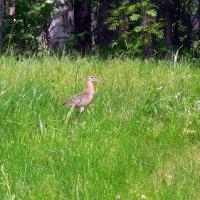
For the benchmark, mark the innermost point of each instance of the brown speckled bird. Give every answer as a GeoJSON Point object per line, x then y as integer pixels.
{"type": "Point", "coordinates": [83, 99]}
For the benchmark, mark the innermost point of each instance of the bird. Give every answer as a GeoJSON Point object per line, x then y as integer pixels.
{"type": "Point", "coordinates": [83, 99]}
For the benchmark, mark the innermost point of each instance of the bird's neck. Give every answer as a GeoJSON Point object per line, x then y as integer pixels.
{"type": "Point", "coordinates": [90, 87]}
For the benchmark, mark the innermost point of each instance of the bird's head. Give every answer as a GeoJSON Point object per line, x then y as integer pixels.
{"type": "Point", "coordinates": [92, 79]}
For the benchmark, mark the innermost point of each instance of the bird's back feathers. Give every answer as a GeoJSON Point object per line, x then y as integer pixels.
{"type": "Point", "coordinates": [79, 100]}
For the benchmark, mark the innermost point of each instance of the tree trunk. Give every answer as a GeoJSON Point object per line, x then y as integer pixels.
{"type": "Point", "coordinates": [94, 23]}
{"type": "Point", "coordinates": [196, 17]}
{"type": "Point", "coordinates": [61, 28]}
{"type": "Point", "coordinates": [1, 23]}
{"type": "Point", "coordinates": [168, 23]}
{"type": "Point", "coordinates": [195, 21]}
{"type": "Point", "coordinates": [149, 45]}
{"type": "Point", "coordinates": [101, 35]}
{"type": "Point", "coordinates": [82, 20]}
{"type": "Point", "coordinates": [146, 36]}
{"type": "Point", "coordinates": [176, 16]}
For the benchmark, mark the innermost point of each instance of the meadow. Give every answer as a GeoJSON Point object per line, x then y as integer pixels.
{"type": "Point", "coordinates": [140, 137]}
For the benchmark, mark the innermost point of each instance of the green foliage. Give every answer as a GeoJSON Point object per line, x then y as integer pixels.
{"type": "Point", "coordinates": [138, 25]}
{"type": "Point", "coordinates": [30, 19]}
{"type": "Point", "coordinates": [134, 35]}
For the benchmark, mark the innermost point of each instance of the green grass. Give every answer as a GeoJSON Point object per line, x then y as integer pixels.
{"type": "Point", "coordinates": [139, 137]}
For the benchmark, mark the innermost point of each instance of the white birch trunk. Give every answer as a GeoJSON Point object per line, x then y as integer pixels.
{"type": "Point", "coordinates": [61, 27]}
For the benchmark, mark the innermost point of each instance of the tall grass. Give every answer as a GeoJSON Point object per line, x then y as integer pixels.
{"type": "Point", "coordinates": [139, 138]}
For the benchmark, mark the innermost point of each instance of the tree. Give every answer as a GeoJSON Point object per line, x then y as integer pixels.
{"type": "Point", "coordinates": [138, 25]}
{"type": "Point", "coordinates": [131, 27]}
{"type": "Point", "coordinates": [147, 20]}
{"type": "Point", "coordinates": [191, 20]}
{"type": "Point", "coordinates": [100, 13]}
{"type": "Point", "coordinates": [168, 23]}
{"type": "Point", "coordinates": [82, 21]}
{"type": "Point", "coordinates": [1, 22]}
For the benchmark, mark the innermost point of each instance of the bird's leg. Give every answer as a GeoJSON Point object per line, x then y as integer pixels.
{"type": "Point", "coordinates": [80, 111]}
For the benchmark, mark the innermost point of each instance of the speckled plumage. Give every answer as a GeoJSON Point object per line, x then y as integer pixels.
{"type": "Point", "coordinates": [83, 99]}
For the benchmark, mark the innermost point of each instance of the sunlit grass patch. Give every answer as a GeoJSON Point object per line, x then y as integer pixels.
{"type": "Point", "coordinates": [139, 138]}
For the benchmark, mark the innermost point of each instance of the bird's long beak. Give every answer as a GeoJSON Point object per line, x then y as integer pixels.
{"type": "Point", "coordinates": [98, 81]}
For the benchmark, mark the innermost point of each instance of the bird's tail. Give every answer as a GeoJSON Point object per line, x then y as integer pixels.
{"type": "Point", "coordinates": [68, 104]}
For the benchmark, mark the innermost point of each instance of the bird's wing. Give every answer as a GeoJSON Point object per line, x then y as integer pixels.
{"type": "Point", "coordinates": [76, 100]}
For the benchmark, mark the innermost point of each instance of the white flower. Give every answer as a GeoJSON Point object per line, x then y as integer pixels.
{"type": "Point", "coordinates": [198, 104]}
{"type": "Point", "coordinates": [177, 95]}
{"type": "Point", "coordinates": [184, 100]}
{"type": "Point", "coordinates": [143, 196]}
{"type": "Point", "coordinates": [159, 88]}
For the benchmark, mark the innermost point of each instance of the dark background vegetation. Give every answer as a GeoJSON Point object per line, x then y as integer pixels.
{"type": "Point", "coordinates": [137, 28]}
